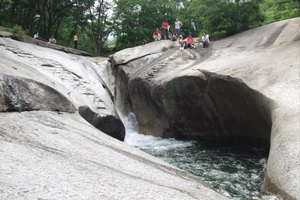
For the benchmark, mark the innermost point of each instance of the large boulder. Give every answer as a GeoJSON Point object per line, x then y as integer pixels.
{"type": "Point", "coordinates": [20, 94]}
{"type": "Point", "coordinates": [37, 78]}
{"type": "Point", "coordinates": [245, 87]}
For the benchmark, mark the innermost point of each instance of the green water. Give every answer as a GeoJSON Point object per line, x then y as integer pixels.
{"type": "Point", "coordinates": [235, 171]}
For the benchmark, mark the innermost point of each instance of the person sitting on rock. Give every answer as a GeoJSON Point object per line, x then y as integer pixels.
{"type": "Point", "coordinates": [173, 35]}
{"type": "Point", "coordinates": [182, 42]}
{"type": "Point", "coordinates": [156, 35]}
{"type": "Point", "coordinates": [205, 39]}
{"type": "Point", "coordinates": [36, 35]}
{"type": "Point", "coordinates": [190, 42]}
{"type": "Point", "coordinates": [52, 40]}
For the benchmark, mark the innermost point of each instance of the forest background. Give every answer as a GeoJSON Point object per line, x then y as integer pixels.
{"type": "Point", "coordinates": [106, 26]}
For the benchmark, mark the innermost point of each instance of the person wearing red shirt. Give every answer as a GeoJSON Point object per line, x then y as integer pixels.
{"type": "Point", "coordinates": [165, 27]}
{"type": "Point", "coordinates": [156, 35]}
{"type": "Point", "coordinates": [190, 42]}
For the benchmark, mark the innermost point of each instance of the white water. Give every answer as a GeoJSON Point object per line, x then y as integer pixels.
{"type": "Point", "coordinates": [141, 141]}
{"type": "Point", "coordinates": [243, 174]}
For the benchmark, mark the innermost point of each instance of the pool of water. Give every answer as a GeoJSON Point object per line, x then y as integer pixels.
{"type": "Point", "coordinates": [237, 171]}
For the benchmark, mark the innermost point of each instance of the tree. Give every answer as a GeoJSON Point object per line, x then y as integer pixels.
{"type": "Point", "coordinates": [275, 10]}
{"type": "Point", "coordinates": [101, 24]}
{"type": "Point", "coordinates": [133, 22]}
{"type": "Point", "coordinates": [137, 20]}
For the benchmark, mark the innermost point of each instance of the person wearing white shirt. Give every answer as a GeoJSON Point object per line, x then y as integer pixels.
{"type": "Point", "coordinates": [205, 39]}
{"type": "Point", "coordinates": [178, 25]}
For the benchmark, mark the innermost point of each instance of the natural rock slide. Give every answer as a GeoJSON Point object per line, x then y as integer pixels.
{"type": "Point", "coordinates": [243, 88]}
{"type": "Point", "coordinates": [106, 122]}
{"type": "Point", "coordinates": [48, 151]}
{"type": "Point", "coordinates": [58, 109]}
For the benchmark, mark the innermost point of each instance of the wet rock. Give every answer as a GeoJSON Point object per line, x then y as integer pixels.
{"type": "Point", "coordinates": [109, 124]}
{"type": "Point", "coordinates": [18, 94]}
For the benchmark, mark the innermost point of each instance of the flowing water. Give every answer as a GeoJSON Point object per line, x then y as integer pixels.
{"type": "Point", "coordinates": [236, 171]}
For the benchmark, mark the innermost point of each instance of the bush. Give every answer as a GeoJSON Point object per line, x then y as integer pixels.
{"type": "Point", "coordinates": [218, 35]}
{"type": "Point", "coordinates": [164, 49]}
{"type": "Point", "coordinates": [18, 32]}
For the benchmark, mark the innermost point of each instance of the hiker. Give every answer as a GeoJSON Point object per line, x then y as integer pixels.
{"type": "Point", "coordinates": [182, 42]}
{"type": "Point", "coordinates": [36, 35]}
{"type": "Point", "coordinates": [205, 39]}
{"type": "Point", "coordinates": [190, 42]}
{"type": "Point", "coordinates": [193, 28]}
{"type": "Point", "coordinates": [173, 35]}
{"type": "Point", "coordinates": [52, 39]}
{"type": "Point", "coordinates": [178, 25]}
{"type": "Point", "coordinates": [156, 34]}
{"type": "Point", "coordinates": [166, 27]}
{"type": "Point", "coordinates": [76, 40]}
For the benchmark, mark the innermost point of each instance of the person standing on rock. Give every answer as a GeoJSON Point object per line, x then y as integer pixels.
{"type": "Point", "coordinates": [178, 25]}
{"type": "Point", "coordinates": [193, 28]}
{"type": "Point", "coordinates": [165, 27]}
{"type": "Point", "coordinates": [76, 40]}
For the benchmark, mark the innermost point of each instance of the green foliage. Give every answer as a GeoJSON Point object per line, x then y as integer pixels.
{"type": "Point", "coordinates": [164, 49]}
{"type": "Point", "coordinates": [18, 32]}
{"type": "Point", "coordinates": [133, 22]}
{"type": "Point", "coordinates": [137, 20]}
{"type": "Point", "coordinates": [218, 34]}
{"type": "Point", "coordinates": [91, 18]}
{"type": "Point", "coordinates": [276, 10]}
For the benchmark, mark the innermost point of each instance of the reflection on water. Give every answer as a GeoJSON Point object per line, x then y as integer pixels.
{"type": "Point", "coordinates": [235, 171]}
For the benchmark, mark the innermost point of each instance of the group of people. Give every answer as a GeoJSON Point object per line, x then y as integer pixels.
{"type": "Point", "coordinates": [53, 40]}
{"type": "Point", "coordinates": [185, 42]}
{"type": "Point", "coordinates": [188, 42]}
{"type": "Point", "coordinates": [173, 35]}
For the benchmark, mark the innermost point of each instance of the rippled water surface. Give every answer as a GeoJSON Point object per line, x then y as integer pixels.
{"type": "Point", "coordinates": [235, 171]}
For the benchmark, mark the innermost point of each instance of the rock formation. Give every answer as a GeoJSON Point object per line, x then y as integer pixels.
{"type": "Point", "coordinates": [57, 113]}
{"type": "Point", "coordinates": [245, 87]}
{"type": "Point", "coordinates": [36, 80]}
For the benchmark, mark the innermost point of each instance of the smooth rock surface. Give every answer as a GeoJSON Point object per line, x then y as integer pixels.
{"type": "Point", "coordinates": [47, 155]}
{"type": "Point", "coordinates": [37, 78]}
{"type": "Point", "coordinates": [244, 87]}
{"type": "Point", "coordinates": [52, 152]}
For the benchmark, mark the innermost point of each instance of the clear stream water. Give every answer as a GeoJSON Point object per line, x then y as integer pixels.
{"type": "Point", "coordinates": [235, 171]}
